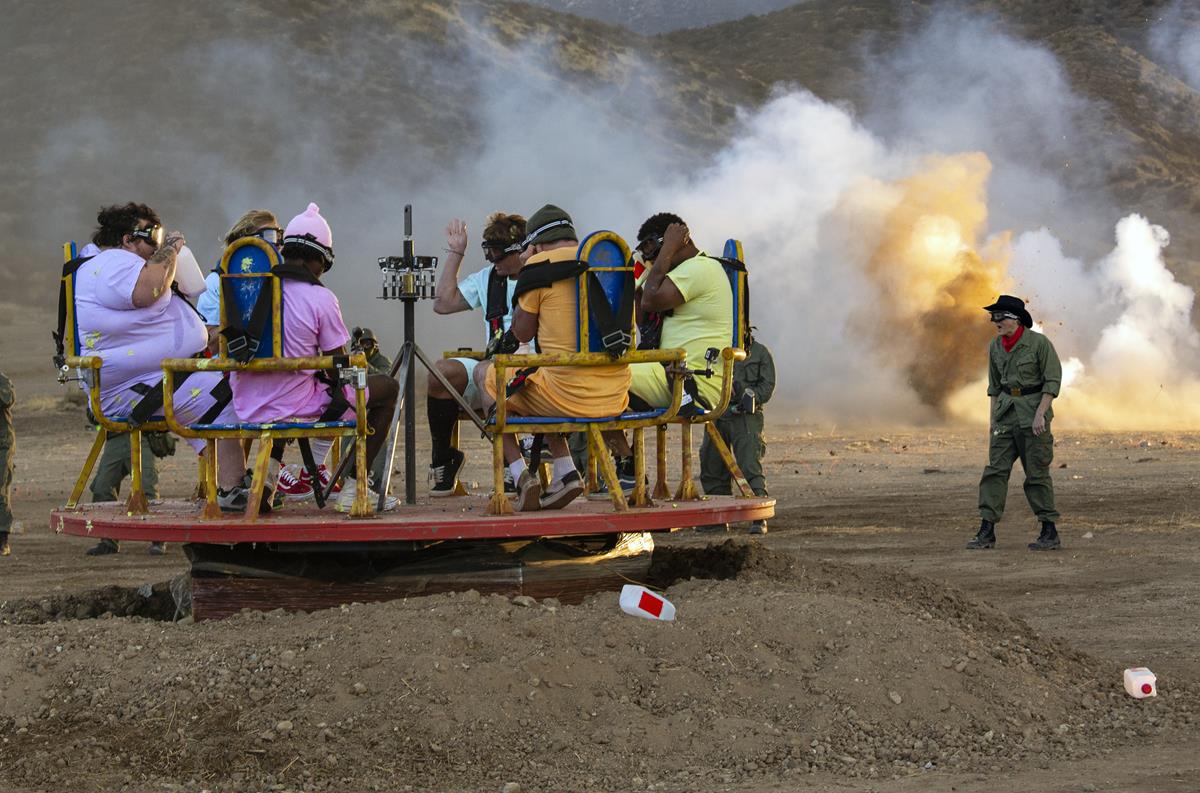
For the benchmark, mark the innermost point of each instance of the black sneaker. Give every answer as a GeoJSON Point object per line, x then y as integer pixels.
{"type": "Point", "coordinates": [445, 476]}
{"type": "Point", "coordinates": [984, 538]}
{"type": "Point", "coordinates": [233, 500]}
{"type": "Point", "coordinates": [562, 491]}
{"type": "Point", "coordinates": [758, 527]}
{"type": "Point", "coordinates": [104, 548]}
{"type": "Point", "coordinates": [624, 477]}
{"type": "Point", "coordinates": [1048, 538]}
{"type": "Point", "coordinates": [510, 485]}
{"type": "Point", "coordinates": [5, 548]}
{"type": "Point", "coordinates": [156, 549]}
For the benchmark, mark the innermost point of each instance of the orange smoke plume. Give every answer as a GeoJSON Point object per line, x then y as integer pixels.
{"type": "Point", "coordinates": [933, 277]}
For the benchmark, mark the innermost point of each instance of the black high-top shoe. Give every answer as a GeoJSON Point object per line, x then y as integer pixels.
{"type": "Point", "coordinates": [984, 538]}
{"type": "Point", "coordinates": [1047, 540]}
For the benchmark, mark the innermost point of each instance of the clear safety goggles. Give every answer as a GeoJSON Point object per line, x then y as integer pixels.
{"type": "Point", "coordinates": [272, 235]}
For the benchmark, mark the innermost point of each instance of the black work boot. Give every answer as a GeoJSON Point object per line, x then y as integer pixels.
{"type": "Point", "coordinates": [1047, 540]}
{"type": "Point", "coordinates": [984, 538]}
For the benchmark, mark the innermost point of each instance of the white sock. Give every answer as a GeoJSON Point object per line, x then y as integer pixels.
{"type": "Point", "coordinates": [320, 449]}
{"type": "Point", "coordinates": [562, 467]}
{"type": "Point", "coordinates": [516, 468]}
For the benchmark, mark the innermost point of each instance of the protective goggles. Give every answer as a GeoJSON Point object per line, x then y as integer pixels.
{"type": "Point", "coordinates": [649, 247]}
{"type": "Point", "coordinates": [495, 251]}
{"type": "Point", "coordinates": [154, 235]}
{"type": "Point", "coordinates": [273, 235]}
{"type": "Point", "coordinates": [1000, 316]}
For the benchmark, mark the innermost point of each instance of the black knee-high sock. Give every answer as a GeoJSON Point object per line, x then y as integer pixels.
{"type": "Point", "coordinates": [443, 413]}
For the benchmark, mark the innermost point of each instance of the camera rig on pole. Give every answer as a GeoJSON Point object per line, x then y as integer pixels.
{"type": "Point", "coordinates": [407, 278]}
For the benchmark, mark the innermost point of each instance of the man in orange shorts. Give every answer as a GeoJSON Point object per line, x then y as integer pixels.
{"type": "Point", "coordinates": [546, 307]}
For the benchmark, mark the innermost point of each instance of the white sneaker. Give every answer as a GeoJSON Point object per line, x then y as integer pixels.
{"type": "Point", "coordinates": [345, 499]}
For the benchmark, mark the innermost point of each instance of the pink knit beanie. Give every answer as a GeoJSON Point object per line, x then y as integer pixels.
{"type": "Point", "coordinates": [309, 227]}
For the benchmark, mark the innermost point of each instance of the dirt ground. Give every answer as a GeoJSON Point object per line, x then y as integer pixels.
{"type": "Point", "coordinates": [857, 647]}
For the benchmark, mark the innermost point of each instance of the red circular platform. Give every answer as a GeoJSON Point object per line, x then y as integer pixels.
{"type": "Point", "coordinates": [457, 518]}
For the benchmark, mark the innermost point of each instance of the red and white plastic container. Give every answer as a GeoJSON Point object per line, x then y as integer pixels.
{"type": "Point", "coordinates": [641, 602]}
{"type": "Point", "coordinates": [1140, 683]}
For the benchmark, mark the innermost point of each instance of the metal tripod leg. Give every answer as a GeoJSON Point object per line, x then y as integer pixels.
{"type": "Point", "coordinates": [389, 446]}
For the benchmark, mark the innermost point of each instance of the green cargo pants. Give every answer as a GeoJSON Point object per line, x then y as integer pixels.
{"type": "Point", "coordinates": [743, 434]}
{"type": "Point", "coordinates": [114, 465]}
{"type": "Point", "coordinates": [1008, 444]}
{"type": "Point", "coordinates": [8, 447]}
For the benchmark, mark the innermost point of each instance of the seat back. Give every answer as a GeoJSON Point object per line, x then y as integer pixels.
{"type": "Point", "coordinates": [740, 286]}
{"type": "Point", "coordinates": [69, 322]}
{"type": "Point", "coordinates": [245, 273]}
{"type": "Point", "coordinates": [608, 259]}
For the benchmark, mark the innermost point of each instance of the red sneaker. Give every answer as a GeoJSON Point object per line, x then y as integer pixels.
{"type": "Point", "coordinates": [293, 488]}
{"type": "Point", "coordinates": [323, 472]}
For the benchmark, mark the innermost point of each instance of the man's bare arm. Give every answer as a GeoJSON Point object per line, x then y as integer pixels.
{"type": "Point", "coordinates": [158, 273]}
{"type": "Point", "coordinates": [659, 293]}
{"type": "Point", "coordinates": [448, 299]}
{"type": "Point", "coordinates": [524, 324]}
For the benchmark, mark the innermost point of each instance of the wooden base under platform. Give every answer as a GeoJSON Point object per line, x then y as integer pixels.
{"type": "Point", "coordinates": [300, 558]}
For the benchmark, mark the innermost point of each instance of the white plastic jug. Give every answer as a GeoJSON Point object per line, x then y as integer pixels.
{"type": "Point", "coordinates": [641, 602]}
{"type": "Point", "coordinates": [187, 273]}
{"type": "Point", "coordinates": [1140, 683]}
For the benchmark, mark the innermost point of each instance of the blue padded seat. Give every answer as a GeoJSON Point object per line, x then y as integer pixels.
{"type": "Point", "coordinates": [275, 425]}
{"type": "Point", "coordinates": [628, 416]}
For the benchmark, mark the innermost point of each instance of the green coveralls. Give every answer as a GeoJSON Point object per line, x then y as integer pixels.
{"type": "Point", "coordinates": [1032, 361]}
{"type": "Point", "coordinates": [378, 363]}
{"type": "Point", "coordinates": [115, 464]}
{"type": "Point", "coordinates": [8, 448]}
{"type": "Point", "coordinates": [742, 432]}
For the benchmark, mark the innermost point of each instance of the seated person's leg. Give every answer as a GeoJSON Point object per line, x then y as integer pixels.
{"type": "Point", "coordinates": [381, 404]}
{"type": "Point", "coordinates": [649, 385]}
{"type": "Point", "coordinates": [205, 398]}
{"type": "Point", "coordinates": [442, 410]}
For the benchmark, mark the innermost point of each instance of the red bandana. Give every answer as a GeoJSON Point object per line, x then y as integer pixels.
{"type": "Point", "coordinates": [1011, 341]}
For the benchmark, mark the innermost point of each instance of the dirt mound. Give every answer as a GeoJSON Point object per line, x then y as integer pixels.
{"type": "Point", "coordinates": [783, 668]}
{"type": "Point", "coordinates": [162, 601]}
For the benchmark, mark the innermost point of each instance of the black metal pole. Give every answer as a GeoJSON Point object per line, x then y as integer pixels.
{"type": "Point", "coordinates": [410, 405]}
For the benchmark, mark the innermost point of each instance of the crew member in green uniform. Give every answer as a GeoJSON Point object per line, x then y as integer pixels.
{"type": "Point", "coordinates": [8, 447]}
{"type": "Point", "coordinates": [742, 428]}
{"type": "Point", "coordinates": [115, 464]}
{"type": "Point", "coordinates": [1024, 377]}
{"type": "Point", "coordinates": [377, 363]}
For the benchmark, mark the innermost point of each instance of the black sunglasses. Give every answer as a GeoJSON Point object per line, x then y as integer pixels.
{"type": "Point", "coordinates": [154, 235]}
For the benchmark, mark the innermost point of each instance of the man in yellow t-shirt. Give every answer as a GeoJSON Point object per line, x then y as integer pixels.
{"type": "Point", "coordinates": [547, 307]}
{"type": "Point", "coordinates": [693, 292]}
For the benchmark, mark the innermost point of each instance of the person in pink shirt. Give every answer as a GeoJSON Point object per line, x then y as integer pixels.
{"type": "Point", "coordinates": [312, 325]}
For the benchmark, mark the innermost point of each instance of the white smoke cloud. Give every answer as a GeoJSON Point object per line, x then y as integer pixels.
{"type": "Point", "coordinates": [1174, 41]}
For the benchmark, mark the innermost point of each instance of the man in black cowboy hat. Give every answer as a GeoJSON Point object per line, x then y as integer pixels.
{"type": "Point", "coordinates": [1024, 376]}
